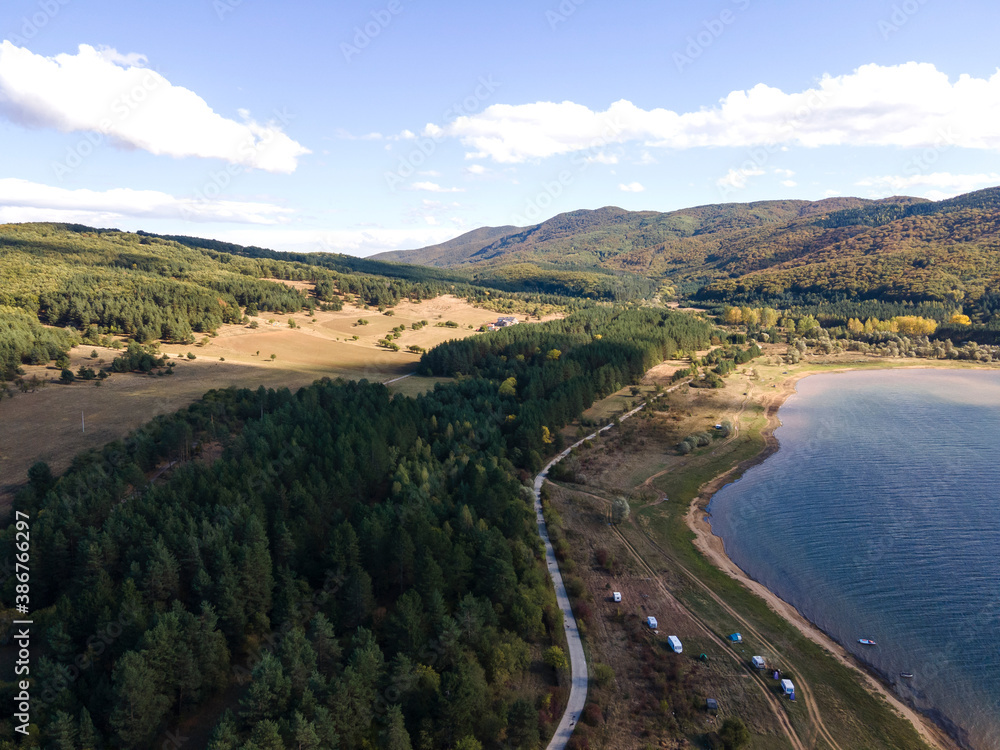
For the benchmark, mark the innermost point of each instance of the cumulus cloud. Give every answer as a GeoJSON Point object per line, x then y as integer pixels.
{"type": "Point", "coordinates": [101, 90]}
{"type": "Point", "coordinates": [632, 187]}
{"type": "Point", "coordinates": [736, 179]}
{"type": "Point", "coordinates": [21, 200]}
{"type": "Point", "coordinates": [363, 241]}
{"type": "Point", "coordinates": [937, 184]}
{"type": "Point", "coordinates": [910, 105]}
{"type": "Point", "coordinates": [433, 187]}
{"type": "Point", "coordinates": [476, 169]}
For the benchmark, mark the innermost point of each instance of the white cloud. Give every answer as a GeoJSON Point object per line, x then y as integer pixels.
{"type": "Point", "coordinates": [347, 135]}
{"type": "Point", "coordinates": [736, 179]}
{"type": "Point", "coordinates": [106, 92]}
{"type": "Point", "coordinates": [646, 159]}
{"type": "Point", "coordinates": [789, 183]}
{"type": "Point", "coordinates": [366, 241]}
{"type": "Point", "coordinates": [433, 187]}
{"type": "Point", "coordinates": [476, 169]}
{"type": "Point", "coordinates": [785, 172]}
{"type": "Point", "coordinates": [632, 187]}
{"type": "Point", "coordinates": [938, 185]}
{"type": "Point", "coordinates": [21, 200]}
{"type": "Point", "coordinates": [602, 157]}
{"type": "Point", "coordinates": [910, 105]}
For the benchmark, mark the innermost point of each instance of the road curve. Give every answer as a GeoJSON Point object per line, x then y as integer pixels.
{"type": "Point", "coordinates": [577, 658]}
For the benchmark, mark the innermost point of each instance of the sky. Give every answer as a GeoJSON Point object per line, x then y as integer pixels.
{"type": "Point", "coordinates": [364, 126]}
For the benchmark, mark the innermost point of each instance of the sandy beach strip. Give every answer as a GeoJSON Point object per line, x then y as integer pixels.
{"type": "Point", "coordinates": [711, 546]}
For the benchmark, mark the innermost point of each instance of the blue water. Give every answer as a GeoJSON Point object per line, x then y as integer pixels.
{"type": "Point", "coordinates": [880, 517]}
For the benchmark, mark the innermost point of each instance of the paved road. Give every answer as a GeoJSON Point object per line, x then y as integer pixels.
{"type": "Point", "coordinates": [578, 661]}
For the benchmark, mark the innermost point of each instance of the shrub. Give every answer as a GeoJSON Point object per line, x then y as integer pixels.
{"type": "Point", "coordinates": [593, 715]}
{"type": "Point", "coordinates": [603, 675]}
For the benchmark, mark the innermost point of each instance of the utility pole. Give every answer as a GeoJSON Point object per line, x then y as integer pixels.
{"type": "Point", "coordinates": [83, 423]}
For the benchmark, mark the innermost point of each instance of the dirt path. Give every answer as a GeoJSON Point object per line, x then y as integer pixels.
{"type": "Point", "coordinates": [714, 550]}
{"type": "Point", "coordinates": [812, 707]}
{"type": "Point", "coordinates": [775, 705]}
{"type": "Point", "coordinates": [578, 660]}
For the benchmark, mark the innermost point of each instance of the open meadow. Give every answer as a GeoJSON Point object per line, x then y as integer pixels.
{"type": "Point", "coordinates": [48, 424]}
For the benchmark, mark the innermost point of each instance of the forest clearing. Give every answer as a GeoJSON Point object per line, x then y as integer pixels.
{"type": "Point", "coordinates": [48, 424]}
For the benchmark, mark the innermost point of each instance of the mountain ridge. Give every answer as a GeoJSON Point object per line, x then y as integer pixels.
{"type": "Point", "coordinates": [901, 248]}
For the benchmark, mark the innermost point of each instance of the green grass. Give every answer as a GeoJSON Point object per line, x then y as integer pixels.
{"type": "Point", "coordinates": [854, 716]}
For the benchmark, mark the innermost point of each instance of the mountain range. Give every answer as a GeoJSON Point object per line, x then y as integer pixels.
{"type": "Point", "coordinates": [777, 252]}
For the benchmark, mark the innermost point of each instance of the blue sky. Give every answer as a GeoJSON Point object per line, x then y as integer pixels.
{"type": "Point", "coordinates": [366, 126]}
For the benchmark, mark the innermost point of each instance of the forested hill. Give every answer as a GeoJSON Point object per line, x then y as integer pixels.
{"type": "Point", "coordinates": [85, 282]}
{"type": "Point", "coordinates": [355, 571]}
{"type": "Point", "coordinates": [782, 253]}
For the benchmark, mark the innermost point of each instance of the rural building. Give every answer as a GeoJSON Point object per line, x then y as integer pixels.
{"type": "Point", "coordinates": [617, 596]}
{"type": "Point", "coordinates": [758, 662]}
{"type": "Point", "coordinates": [651, 621]}
{"type": "Point", "coordinates": [505, 321]}
{"type": "Point", "coordinates": [675, 643]}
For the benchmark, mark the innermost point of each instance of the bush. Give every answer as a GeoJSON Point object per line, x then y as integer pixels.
{"type": "Point", "coordinates": [734, 733]}
{"type": "Point", "coordinates": [190, 355]}
{"type": "Point", "coordinates": [555, 657]}
{"type": "Point", "coordinates": [603, 675]}
{"type": "Point", "coordinates": [593, 715]}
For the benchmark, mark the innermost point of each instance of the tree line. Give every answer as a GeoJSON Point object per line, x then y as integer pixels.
{"type": "Point", "coordinates": [366, 566]}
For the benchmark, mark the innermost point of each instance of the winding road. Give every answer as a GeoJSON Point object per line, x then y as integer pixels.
{"type": "Point", "coordinates": [578, 660]}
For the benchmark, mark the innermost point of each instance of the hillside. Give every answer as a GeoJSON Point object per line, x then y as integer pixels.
{"type": "Point", "coordinates": [100, 282]}
{"type": "Point", "coordinates": [780, 253]}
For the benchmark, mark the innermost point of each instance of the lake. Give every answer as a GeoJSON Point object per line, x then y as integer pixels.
{"type": "Point", "coordinates": [879, 517]}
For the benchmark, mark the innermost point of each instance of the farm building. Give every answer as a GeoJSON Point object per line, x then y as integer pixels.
{"type": "Point", "coordinates": [505, 321]}
{"type": "Point", "coordinates": [675, 643]}
{"type": "Point", "coordinates": [617, 596]}
{"type": "Point", "coordinates": [651, 621]}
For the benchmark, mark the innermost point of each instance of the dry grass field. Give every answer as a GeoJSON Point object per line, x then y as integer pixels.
{"type": "Point", "coordinates": [46, 425]}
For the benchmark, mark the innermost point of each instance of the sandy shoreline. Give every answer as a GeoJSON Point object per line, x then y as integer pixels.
{"type": "Point", "coordinates": [712, 547]}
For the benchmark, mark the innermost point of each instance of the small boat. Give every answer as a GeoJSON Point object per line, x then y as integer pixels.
{"type": "Point", "coordinates": [866, 642]}
{"type": "Point", "coordinates": [907, 675]}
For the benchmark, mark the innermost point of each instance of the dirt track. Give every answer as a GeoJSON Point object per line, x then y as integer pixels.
{"type": "Point", "coordinates": [714, 550]}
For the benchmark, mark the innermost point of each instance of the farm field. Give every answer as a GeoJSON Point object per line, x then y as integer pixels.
{"type": "Point", "coordinates": [46, 425]}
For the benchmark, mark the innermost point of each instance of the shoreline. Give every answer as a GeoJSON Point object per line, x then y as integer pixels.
{"type": "Point", "coordinates": [712, 548]}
